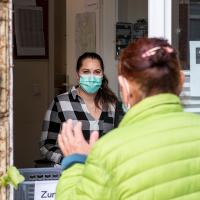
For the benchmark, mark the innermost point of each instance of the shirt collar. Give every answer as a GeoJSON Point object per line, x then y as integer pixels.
{"type": "Point", "coordinates": [74, 92]}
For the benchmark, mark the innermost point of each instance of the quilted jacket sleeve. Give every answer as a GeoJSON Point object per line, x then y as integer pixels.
{"type": "Point", "coordinates": [83, 182]}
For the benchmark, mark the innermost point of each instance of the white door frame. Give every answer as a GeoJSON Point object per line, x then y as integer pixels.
{"type": "Point", "coordinates": [160, 19]}
{"type": "Point", "coordinates": [159, 25]}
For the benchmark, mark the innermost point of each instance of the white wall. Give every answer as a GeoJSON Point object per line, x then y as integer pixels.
{"type": "Point", "coordinates": [108, 42]}
{"type": "Point", "coordinates": [137, 10]}
{"type": "Point", "coordinates": [73, 8]}
{"type": "Point", "coordinates": [131, 11]}
{"type": "Point", "coordinates": [123, 10]}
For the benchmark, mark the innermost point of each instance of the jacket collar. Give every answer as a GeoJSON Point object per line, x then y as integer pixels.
{"type": "Point", "coordinates": [157, 104]}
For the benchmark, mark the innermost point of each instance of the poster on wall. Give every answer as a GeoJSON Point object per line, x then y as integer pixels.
{"type": "Point", "coordinates": [194, 68]}
{"type": "Point", "coordinates": [85, 32]}
{"type": "Point", "coordinates": [29, 33]}
{"type": "Point", "coordinates": [30, 29]}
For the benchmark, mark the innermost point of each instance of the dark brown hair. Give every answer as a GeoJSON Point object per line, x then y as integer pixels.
{"type": "Point", "coordinates": [104, 95]}
{"type": "Point", "coordinates": [153, 64]}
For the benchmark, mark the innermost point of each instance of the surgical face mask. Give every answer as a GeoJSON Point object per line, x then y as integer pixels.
{"type": "Point", "coordinates": [90, 83]}
{"type": "Point", "coordinates": [124, 106]}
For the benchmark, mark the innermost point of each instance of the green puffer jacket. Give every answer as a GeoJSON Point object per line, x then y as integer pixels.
{"type": "Point", "coordinates": [153, 155]}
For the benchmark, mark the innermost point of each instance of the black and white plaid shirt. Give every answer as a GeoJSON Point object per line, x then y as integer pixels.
{"type": "Point", "coordinates": [70, 105]}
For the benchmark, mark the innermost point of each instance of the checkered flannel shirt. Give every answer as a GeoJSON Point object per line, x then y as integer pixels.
{"type": "Point", "coordinates": [66, 106]}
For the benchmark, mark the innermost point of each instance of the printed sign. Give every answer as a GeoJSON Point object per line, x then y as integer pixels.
{"type": "Point", "coordinates": [45, 190]}
{"type": "Point", "coordinates": [194, 68]}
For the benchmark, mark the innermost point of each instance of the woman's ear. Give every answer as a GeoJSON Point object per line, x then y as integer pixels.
{"type": "Point", "coordinates": [123, 89]}
{"type": "Point", "coordinates": [182, 78]}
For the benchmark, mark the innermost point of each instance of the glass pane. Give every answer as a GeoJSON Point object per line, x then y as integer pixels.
{"type": "Point", "coordinates": [185, 27]}
{"type": "Point", "coordinates": [132, 22]}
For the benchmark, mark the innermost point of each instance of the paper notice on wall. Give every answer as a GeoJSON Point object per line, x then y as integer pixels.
{"type": "Point", "coordinates": [45, 190]}
{"type": "Point", "coordinates": [85, 32]}
{"type": "Point", "coordinates": [25, 2]}
{"type": "Point", "coordinates": [195, 68]}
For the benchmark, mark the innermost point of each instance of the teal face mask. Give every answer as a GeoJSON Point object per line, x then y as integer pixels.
{"type": "Point", "coordinates": [90, 83]}
{"type": "Point", "coordinates": [124, 108]}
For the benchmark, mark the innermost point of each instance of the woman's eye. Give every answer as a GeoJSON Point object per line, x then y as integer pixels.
{"type": "Point", "coordinates": [86, 72]}
{"type": "Point", "coordinates": [98, 72]}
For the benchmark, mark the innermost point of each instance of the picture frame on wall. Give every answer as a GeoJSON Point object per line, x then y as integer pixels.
{"type": "Point", "coordinates": [31, 30]}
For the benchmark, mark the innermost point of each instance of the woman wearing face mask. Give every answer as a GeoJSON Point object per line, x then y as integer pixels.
{"type": "Point", "coordinates": [154, 154]}
{"type": "Point", "coordinates": [91, 102]}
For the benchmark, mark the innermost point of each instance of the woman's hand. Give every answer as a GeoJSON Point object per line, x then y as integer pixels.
{"type": "Point", "coordinates": [71, 139]}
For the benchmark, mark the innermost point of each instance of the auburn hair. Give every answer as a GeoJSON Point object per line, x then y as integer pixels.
{"type": "Point", "coordinates": [153, 64]}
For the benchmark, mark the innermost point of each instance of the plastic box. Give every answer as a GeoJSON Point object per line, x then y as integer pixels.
{"type": "Point", "coordinates": [26, 190]}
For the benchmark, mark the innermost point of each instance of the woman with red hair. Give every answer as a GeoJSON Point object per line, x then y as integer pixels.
{"type": "Point", "coordinates": [154, 154]}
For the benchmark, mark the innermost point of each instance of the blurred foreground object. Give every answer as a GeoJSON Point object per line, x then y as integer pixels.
{"type": "Point", "coordinates": [12, 177]}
